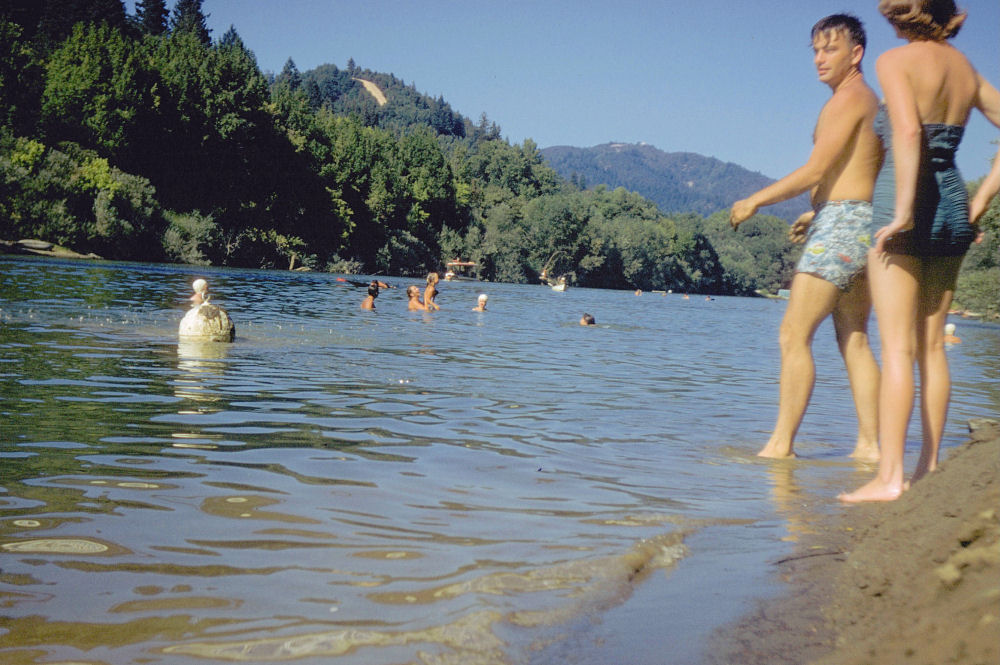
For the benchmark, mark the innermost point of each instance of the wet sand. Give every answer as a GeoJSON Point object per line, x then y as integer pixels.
{"type": "Point", "coordinates": [914, 581]}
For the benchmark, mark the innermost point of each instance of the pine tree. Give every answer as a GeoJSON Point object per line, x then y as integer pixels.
{"type": "Point", "coordinates": [188, 16]}
{"type": "Point", "coordinates": [291, 75]}
{"type": "Point", "coordinates": [151, 15]}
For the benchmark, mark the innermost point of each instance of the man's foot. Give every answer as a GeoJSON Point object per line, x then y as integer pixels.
{"type": "Point", "coordinates": [865, 451]}
{"type": "Point", "coordinates": [875, 490]}
{"type": "Point", "coordinates": [777, 451]}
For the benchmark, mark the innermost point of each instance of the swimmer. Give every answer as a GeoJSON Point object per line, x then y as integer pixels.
{"type": "Point", "coordinates": [414, 302]}
{"type": "Point", "coordinates": [430, 291]}
{"type": "Point", "coordinates": [369, 301]}
{"type": "Point", "coordinates": [481, 303]}
{"type": "Point", "coordinates": [587, 320]}
{"type": "Point", "coordinates": [949, 334]}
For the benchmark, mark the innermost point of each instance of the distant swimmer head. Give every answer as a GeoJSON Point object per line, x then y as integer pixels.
{"type": "Point", "coordinates": [373, 289]}
{"type": "Point", "coordinates": [949, 329]}
{"type": "Point", "coordinates": [412, 291]}
{"type": "Point", "coordinates": [587, 320]}
{"type": "Point", "coordinates": [483, 298]}
{"type": "Point", "coordinates": [200, 287]}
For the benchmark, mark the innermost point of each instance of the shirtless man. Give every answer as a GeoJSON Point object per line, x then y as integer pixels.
{"type": "Point", "coordinates": [413, 298]}
{"type": "Point", "coordinates": [830, 276]}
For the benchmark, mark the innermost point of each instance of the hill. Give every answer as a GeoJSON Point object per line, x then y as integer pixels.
{"type": "Point", "coordinates": [675, 181]}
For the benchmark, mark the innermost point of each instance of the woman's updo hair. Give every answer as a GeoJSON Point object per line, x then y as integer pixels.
{"type": "Point", "coordinates": [935, 20]}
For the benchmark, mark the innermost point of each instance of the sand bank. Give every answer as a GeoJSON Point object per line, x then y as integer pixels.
{"type": "Point", "coordinates": [915, 581]}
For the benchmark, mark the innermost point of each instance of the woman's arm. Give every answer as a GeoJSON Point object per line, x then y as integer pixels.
{"type": "Point", "coordinates": [907, 130]}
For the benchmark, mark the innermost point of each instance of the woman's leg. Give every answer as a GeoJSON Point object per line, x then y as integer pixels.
{"type": "Point", "coordinates": [894, 281]}
{"type": "Point", "coordinates": [937, 286]}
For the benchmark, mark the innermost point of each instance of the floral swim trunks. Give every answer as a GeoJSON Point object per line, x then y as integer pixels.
{"type": "Point", "coordinates": [838, 242]}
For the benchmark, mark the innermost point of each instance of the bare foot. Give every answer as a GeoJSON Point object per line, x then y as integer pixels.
{"type": "Point", "coordinates": [875, 490]}
{"type": "Point", "coordinates": [777, 451]}
{"type": "Point", "coordinates": [866, 452]}
{"type": "Point", "coordinates": [919, 473]}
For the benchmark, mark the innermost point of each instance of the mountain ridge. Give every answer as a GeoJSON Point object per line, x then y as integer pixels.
{"type": "Point", "coordinates": [677, 182]}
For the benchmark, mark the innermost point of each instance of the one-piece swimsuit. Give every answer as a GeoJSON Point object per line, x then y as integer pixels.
{"type": "Point", "coordinates": [941, 210]}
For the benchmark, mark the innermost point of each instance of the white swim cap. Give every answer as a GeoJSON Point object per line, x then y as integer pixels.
{"type": "Point", "coordinates": [199, 285]}
{"type": "Point", "coordinates": [949, 329]}
{"type": "Point", "coordinates": [483, 297]}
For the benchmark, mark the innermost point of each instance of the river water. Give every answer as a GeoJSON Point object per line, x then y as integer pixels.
{"type": "Point", "coordinates": [390, 487]}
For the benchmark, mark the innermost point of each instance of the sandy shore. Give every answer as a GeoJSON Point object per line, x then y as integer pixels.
{"type": "Point", "coordinates": [915, 581]}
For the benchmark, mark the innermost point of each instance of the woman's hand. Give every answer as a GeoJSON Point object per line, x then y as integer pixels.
{"type": "Point", "coordinates": [886, 233]}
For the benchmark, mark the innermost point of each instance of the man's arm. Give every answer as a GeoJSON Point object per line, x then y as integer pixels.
{"type": "Point", "coordinates": [838, 123]}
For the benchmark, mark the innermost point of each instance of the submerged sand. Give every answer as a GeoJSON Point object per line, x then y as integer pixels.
{"type": "Point", "coordinates": [914, 581]}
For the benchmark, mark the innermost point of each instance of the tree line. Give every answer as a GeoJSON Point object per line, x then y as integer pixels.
{"type": "Point", "coordinates": [141, 137]}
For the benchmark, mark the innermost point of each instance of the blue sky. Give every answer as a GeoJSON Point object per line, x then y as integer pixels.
{"type": "Point", "coordinates": [731, 79]}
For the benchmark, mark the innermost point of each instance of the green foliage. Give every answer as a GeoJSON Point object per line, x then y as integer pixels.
{"type": "Point", "coordinates": [978, 287]}
{"type": "Point", "coordinates": [190, 238]}
{"type": "Point", "coordinates": [756, 256]}
{"type": "Point", "coordinates": [77, 200]}
{"type": "Point", "coordinates": [151, 16]}
{"type": "Point", "coordinates": [20, 80]}
{"type": "Point", "coordinates": [188, 17]}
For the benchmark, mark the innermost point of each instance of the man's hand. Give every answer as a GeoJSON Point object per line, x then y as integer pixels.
{"type": "Point", "coordinates": [800, 227]}
{"type": "Point", "coordinates": [741, 211]}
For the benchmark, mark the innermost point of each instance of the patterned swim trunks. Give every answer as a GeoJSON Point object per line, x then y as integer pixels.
{"type": "Point", "coordinates": [838, 242]}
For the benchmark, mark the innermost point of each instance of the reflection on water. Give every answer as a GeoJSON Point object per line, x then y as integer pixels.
{"type": "Point", "coordinates": [389, 486]}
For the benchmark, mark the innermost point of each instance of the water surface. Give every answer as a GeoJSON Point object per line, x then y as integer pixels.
{"type": "Point", "coordinates": [400, 487]}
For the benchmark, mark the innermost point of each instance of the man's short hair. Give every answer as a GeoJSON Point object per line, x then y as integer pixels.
{"type": "Point", "coordinates": [847, 23]}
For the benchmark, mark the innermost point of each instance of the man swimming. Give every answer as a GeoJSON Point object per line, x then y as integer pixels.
{"type": "Point", "coordinates": [830, 277]}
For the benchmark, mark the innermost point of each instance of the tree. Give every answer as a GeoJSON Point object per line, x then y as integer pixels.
{"type": "Point", "coordinates": [99, 92]}
{"type": "Point", "coordinates": [151, 16]}
{"type": "Point", "coordinates": [48, 22]}
{"type": "Point", "coordinates": [289, 76]}
{"type": "Point", "coordinates": [188, 17]}
{"type": "Point", "coordinates": [21, 81]}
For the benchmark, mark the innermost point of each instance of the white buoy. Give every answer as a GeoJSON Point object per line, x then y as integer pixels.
{"type": "Point", "coordinates": [205, 321]}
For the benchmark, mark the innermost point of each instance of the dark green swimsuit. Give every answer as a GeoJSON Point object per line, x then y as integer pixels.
{"type": "Point", "coordinates": [941, 211]}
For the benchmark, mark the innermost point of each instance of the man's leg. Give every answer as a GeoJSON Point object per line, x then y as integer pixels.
{"type": "Point", "coordinates": [812, 299]}
{"type": "Point", "coordinates": [850, 320]}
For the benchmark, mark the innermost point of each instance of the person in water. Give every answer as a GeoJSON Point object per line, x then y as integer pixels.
{"type": "Point", "coordinates": [369, 301]}
{"type": "Point", "coordinates": [830, 276]}
{"type": "Point", "coordinates": [430, 291]}
{"type": "Point", "coordinates": [922, 227]}
{"type": "Point", "coordinates": [413, 295]}
{"type": "Point", "coordinates": [949, 334]}
{"type": "Point", "coordinates": [587, 320]}
{"type": "Point", "coordinates": [481, 303]}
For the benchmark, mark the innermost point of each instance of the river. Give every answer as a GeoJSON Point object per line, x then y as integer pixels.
{"type": "Point", "coordinates": [386, 487]}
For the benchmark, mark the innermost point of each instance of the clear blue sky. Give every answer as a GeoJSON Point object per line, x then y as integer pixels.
{"type": "Point", "coordinates": [731, 79]}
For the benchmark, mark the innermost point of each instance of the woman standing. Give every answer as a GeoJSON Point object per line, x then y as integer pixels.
{"type": "Point", "coordinates": [921, 213]}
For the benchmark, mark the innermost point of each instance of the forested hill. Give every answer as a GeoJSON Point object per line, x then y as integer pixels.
{"type": "Point", "coordinates": [675, 181]}
{"type": "Point", "coordinates": [377, 99]}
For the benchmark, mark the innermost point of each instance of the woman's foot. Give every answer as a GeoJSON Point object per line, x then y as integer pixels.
{"type": "Point", "coordinates": [875, 490]}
